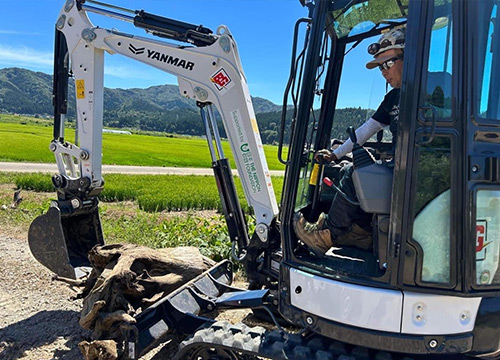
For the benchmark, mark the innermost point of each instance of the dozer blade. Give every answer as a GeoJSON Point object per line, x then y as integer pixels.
{"type": "Point", "coordinates": [61, 242]}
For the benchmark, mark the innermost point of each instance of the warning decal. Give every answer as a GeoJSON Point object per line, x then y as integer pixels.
{"type": "Point", "coordinates": [80, 89]}
{"type": "Point", "coordinates": [222, 81]}
{"type": "Point", "coordinates": [245, 153]}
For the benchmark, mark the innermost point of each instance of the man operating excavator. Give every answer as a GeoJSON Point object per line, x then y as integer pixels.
{"type": "Point", "coordinates": [346, 224]}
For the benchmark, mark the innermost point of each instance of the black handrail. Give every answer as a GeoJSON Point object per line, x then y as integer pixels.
{"type": "Point", "coordinates": [433, 126]}
{"type": "Point", "coordinates": [291, 80]}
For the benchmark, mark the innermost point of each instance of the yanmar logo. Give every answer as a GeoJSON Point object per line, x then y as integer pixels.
{"type": "Point", "coordinates": [164, 58]}
{"type": "Point", "coordinates": [136, 51]}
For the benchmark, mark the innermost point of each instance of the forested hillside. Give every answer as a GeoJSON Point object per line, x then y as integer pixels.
{"type": "Point", "coordinates": [157, 108]}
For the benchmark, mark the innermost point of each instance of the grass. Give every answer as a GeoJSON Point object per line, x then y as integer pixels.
{"type": "Point", "coordinates": [156, 230]}
{"type": "Point", "coordinates": [118, 149]}
{"type": "Point", "coordinates": [124, 222]}
{"type": "Point", "coordinates": [138, 209]}
{"type": "Point", "coordinates": [17, 220]}
{"type": "Point", "coordinates": [152, 193]}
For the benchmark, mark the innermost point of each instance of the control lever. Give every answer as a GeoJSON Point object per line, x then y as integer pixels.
{"type": "Point", "coordinates": [352, 136]}
{"type": "Point", "coordinates": [328, 182]}
{"type": "Point", "coordinates": [380, 136]}
{"type": "Point", "coordinates": [360, 156]}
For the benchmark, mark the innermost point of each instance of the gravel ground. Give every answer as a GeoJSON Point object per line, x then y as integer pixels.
{"type": "Point", "coordinates": [38, 318]}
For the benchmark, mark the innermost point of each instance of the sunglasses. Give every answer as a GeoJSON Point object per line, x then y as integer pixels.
{"type": "Point", "coordinates": [375, 47]}
{"type": "Point", "coordinates": [386, 65]}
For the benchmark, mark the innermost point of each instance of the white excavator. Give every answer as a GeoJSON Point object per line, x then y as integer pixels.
{"type": "Point", "coordinates": [429, 285]}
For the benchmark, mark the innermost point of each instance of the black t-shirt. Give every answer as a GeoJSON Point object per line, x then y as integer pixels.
{"type": "Point", "coordinates": [388, 112]}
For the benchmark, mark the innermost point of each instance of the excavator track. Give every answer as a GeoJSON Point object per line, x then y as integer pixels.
{"type": "Point", "coordinates": [224, 341]}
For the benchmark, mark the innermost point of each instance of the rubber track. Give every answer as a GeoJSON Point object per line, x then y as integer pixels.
{"type": "Point", "coordinates": [250, 342]}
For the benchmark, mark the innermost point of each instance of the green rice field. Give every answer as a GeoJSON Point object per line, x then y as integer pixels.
{"type": "Point", "coordinates": [25, 139]}
{"type": "Point", "coordinates": [123, 221]}
{"type": "Point", "coordinates": [140, 209]}
{"type": "Point", "coordinates": [153, 193]}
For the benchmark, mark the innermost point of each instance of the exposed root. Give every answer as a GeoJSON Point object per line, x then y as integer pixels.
{"type": "Point", "coordinates": [125, 280]}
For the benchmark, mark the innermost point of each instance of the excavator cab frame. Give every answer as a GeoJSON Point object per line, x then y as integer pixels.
{"type": "Point", "coordinates": [430, 276]}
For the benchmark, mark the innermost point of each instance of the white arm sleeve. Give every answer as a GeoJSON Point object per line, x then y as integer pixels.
{"type": "Point", "coordinates": [363, 133]}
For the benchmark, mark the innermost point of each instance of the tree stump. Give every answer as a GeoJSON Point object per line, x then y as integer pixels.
{"type": "Point", "coordinates": [125, 280]}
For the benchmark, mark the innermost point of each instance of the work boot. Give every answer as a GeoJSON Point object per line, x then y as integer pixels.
{"type": "Point", "coordinates": [320, 223]}
{"type": "Point", "coordinates": [318, 240]}
{"type": "Point", "coordinates": [356, 237]}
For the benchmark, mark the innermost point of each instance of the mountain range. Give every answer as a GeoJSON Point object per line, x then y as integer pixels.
{"type": "Point", "coordinates": [28, 92]}
{"type": "Point", "coordinates": [157, 108]}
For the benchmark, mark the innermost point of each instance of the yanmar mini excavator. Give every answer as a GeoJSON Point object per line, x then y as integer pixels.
{"type": "Point", "coordinates": [431, 283]}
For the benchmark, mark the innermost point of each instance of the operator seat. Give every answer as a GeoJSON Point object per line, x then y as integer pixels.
{"type": "Point", "coordinates": [373, 184]}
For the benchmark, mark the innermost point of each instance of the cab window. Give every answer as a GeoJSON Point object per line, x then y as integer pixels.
{"type": "Point", "coordinates": [438, 78]}
{"type": "Point", "coordinates": [434, 152]}
{"type": "Point", "coordinates": [431, 227]}
{"type": "Point", "coordinates": [487, 62]}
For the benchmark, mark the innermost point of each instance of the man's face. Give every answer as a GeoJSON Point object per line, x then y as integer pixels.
{"type": "Point", "coordinates": [393, 75]}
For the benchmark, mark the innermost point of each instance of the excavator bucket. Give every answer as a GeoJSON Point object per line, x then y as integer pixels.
{"type": "Point", "coordinates": [61, 242]}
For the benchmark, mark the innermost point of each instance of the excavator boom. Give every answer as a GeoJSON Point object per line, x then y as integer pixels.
{"type": "Point", "coordinates": [210, 73]}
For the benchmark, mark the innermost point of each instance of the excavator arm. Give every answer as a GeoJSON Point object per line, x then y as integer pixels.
{"type": "Point", "coordinates": [208, 71]}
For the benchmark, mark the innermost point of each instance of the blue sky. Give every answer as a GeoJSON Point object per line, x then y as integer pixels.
{"type": "Point", "coordinates": [263, 30]}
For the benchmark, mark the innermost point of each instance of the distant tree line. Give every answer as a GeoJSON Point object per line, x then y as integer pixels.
{"type": "Point", "coordinates": [158, 108]}
{"type": "Point", "coordinates": [188, 122]}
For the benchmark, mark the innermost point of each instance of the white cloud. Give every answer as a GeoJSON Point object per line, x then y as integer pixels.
{"type": "Point", "coordinates": [117, 74]}
{"type": "Point", "coordinates": [122, 72]}
{"type": "Point", "coordinates": [125, 72]}
{"type": "Point", "coordinates": [23, 56]}
{"type": "Point", "coordinates": [15, 32]}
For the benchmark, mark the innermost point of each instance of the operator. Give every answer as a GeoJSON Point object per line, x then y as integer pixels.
{"type": "Point", "coordinates": [347, 224]}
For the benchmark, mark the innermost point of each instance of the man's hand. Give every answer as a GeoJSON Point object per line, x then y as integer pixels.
{"type": "Point", "coordinates": [326, 154]}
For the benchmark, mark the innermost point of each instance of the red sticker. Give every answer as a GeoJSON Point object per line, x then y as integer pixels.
{"type": "Point", "coordinates": [221, 79]}
{"type": "Point", "coordinates": [481, 240]}
{"type": "Point", "coordinates": [480, 237]}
